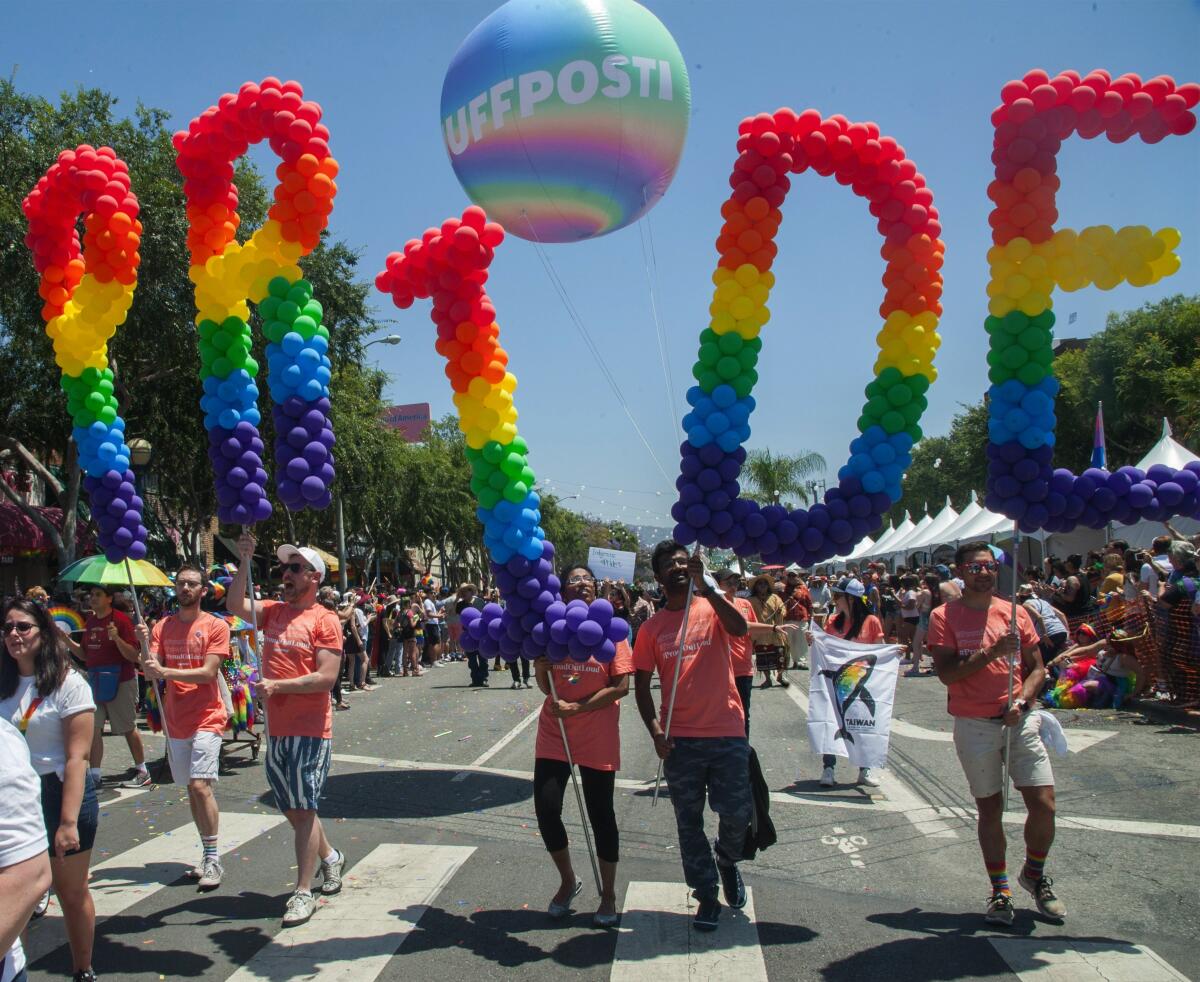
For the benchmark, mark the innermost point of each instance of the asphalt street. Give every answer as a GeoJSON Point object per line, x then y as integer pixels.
{"type": "Point", "coordinates": [430, 799]}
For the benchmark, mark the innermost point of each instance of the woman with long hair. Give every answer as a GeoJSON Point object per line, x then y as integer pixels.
{"type": "Point", "coordinates": [770, 643]}
{"type": "Point", "coordinates": [852, 620]}
{"type": "Point", "coordinates": [587, 705]}
{"type": "Point", "coordinates": [52, 706]}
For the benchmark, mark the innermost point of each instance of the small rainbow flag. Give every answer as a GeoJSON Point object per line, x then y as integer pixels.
{"type": "Point", "coordinates": [69, 619]}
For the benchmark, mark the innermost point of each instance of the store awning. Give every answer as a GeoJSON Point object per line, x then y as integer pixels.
{"type": "Point", "coordinates": [331, 562]}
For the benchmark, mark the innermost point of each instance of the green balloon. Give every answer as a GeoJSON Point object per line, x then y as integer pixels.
{"type": "Point", "coordinates": [1031, 373]}
{"type": "Point", "coordinates": [527, 477]}
{"type": "Point", "coordinates": [993, 324]}
{"type": "Point", "coordinates": [890, 376]}
{"type": "Point", "coordinates": [731, 343]}
{"type": "Point", "coordinates": [900, 395]}
{"type": "Point", "coordinates": [519, 445]}
{"type": "Point", "coordinates": [222, 367]}
{"type": "Point", "coordinates": [488, 498]}
{"type": "Point", "coordinates": [94, 402]}
{"type": "Point", "coordinates": [1014, 357]}
{"type": "Point", "coordinates": [919, 384]}
{"type": "Point", "coordinates": [512, 464]}
{"type": "Point", "coordinates": [301, 293]}
{"type": "Point", "coordinates": [999, 375]}
{"type": "Point", "coordinates": [498, 480]}
{"type": "Point", "coordinates": [892, 421]}
{"type": "Point", "coordinates": [107, 415]}
{"type": "Point", "coordinates": [314, 310]}
{"type": "Point", "coordinates": [305, 326]}
{"type": "Point", "coordinates": [279, 287]}
{"type": "Point", "coordinates": [709, 336]}
{"type": "Point", "coordinates": [516, 492]}
{"type": "Point", "coordinates": [493, 453]}
{"type": "Point", "coordinates": [747, 357]}
{"type": "Point", "coordinates": [1043, 357]}
{"type": "Point", "coordinates": [915, 432]}
{"type": "Point", "coordinates": [267, 307]}
{"type": "Point", "coordinates": [865, 422]}
{"type": "Point", "coordinates": [708, 379]}
{"type": "Point", "coordinates": [876, 406]}
{"type": "Point", "coordinates": [743, 385]}
{"type": "Point", "coordinates": [1044, 320]}
{"type": "Point", "coordinates": [251, 367]}
{"type": "Point", "coordinates": [710, 354]}
{"type": "Point", "coordinates": [1033, 338]}
{"type": "Point", "coordinates": [1015, 322]}
{"type": "Point", "coordinates": [911, 412]}
{"type": "Point", "coordinates": [288, 311]}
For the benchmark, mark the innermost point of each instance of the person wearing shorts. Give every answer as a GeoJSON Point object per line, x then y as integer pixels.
{"type": "Point", "coordinates": [109, 648]}
{"type": "Point", "coordinates": [432, 654]}
{"type": "Point", "coordinates": [186, 651]}
{"type": "Point", "coordinates": [972, 644]}
{"type": "Point", "coordinates": [302, 652]}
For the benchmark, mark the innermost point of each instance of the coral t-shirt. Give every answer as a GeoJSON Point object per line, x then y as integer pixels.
{"type": "Point", "coordinates": [871, 631]}
{"type": "Point", "coordinates": [100, 650]}
{"type": "Point", "coordinates": [291, 640]}
{"type": "Point", "coordinates": [595, 737]}
{"type": "Point", "coordinates": [708, 704]}
{"type": "Point", "coordinates": [966, 630]}
{"type": "Point", "coordinates": [192, 707]}
{"type": "Point", "coordinates": [741, 649]}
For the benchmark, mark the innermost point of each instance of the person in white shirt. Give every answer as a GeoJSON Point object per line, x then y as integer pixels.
{"type": "Point", "coordinates": [24, 865]}
{"type": "Point", "coordinates": [1154, 573]}
{"type": "Point", "coordinates": [52, 706]}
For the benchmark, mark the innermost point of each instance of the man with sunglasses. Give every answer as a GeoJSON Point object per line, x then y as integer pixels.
{"type": "Point", "coordinates": [302, 653]}
{"type": "Point", "coordinates": [186, 651]}
{"type": "Point", "coordinates": [972, 642]}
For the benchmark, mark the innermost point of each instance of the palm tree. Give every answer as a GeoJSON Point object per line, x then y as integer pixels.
{"type": "Point", "coordinates": [771, 479]}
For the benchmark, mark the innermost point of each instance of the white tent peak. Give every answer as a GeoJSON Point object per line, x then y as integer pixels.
{"type": "Point", "coordinates": [1167, 451]}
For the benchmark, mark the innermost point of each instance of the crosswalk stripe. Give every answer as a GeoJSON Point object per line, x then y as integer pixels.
{"type": "Point", "coordinates": [1067, 960]}
{"type": "Point", "coordinates": [356, 934]}
{"type": "Point", "coordinates": [135, 874]}
{"type": "Point", "coordinates": [656, 939]}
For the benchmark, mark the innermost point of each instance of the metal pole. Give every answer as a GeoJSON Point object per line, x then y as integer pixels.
{"type": "Point", "coordinates": [583, 819]}
{"type": "Point", "coordinates": [343, 576]}
{"type": "Point", "coordinates": [145, 648]}
{"type": "Point", "coordinates": [687, 612]}
{"type": "Point", "coordinates": [1012, 660]}
{"type": "Point", "coordinates": [258, 647]}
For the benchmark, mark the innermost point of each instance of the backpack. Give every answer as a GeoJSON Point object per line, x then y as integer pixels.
{"type": "Point", "coordinates": [761, 834]}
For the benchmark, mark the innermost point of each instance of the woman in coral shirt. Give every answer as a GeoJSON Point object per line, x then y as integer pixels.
{"type": "Point", "coordinates": [588, 695]}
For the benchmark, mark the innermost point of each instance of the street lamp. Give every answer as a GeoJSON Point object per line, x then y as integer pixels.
{"type": "Point", "coordinates": [391, 339]}
{"type": "Point", "coordinates": [139, 451]}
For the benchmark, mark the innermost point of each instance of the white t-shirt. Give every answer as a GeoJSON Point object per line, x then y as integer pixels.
{"type": "Point", "coordinates": [1149, 575]}
{"type": "Point", "coordinates": [44, 734]}
{"type": "Point", "coordinates": [431, 611]}
{"type": "Point", "coordinates": [1053, 623]}
{"type": "Point", "coordinates": [22, 828]}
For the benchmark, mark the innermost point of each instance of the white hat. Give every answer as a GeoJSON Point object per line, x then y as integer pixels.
{"type": "Point", "coordinates": [286, 553]}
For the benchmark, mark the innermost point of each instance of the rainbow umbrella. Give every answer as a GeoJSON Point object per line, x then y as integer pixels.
{"type": "Point", "coordinates": [97, 569]}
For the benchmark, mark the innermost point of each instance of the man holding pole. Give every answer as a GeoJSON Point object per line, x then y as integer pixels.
{"type": "Point", "coordinates": [302, 652]}
{"type": "Point", "coordinates": [701, 734]}
{"type": "Point", "coordinates": [985, 651]}
{"type": "Point", "coordinates": [186, 651]}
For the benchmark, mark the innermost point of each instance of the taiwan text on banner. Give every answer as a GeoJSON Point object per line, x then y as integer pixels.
{"type": "Point", "coordinates": [612, 564]}
{"type": "Point", "coordinates": [850, 698]}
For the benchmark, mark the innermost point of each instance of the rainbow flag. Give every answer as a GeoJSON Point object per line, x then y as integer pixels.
{"type": "Point", "coordinates": [1099, 454]}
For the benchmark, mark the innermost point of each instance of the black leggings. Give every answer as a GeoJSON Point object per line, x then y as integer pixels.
{"type": "Point", "coordinates": [550, 779]}
{"type": "Point", "coordinates": [520, 673]}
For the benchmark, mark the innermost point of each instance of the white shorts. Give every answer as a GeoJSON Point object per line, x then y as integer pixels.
{"type": "Point", "coordinates": [979, 744]}
{"type": "Point", "coordinates": [196, 758]}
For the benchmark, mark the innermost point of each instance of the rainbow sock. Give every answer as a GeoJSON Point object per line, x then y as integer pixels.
{"type": "Point", "coordinates": [209, 844]}
{"type": "Point", "coordinates": [1035, 863]}
{"type": "Point", "coordinates": [998, 874]}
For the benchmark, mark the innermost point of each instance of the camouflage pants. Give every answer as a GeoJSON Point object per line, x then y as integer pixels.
{"type": "Point", "coordinates": [716, 767]}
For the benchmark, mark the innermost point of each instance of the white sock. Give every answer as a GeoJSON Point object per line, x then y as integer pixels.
{"type": "Point", "coordinates": [141, 768]}
{"type": "Point", "coordinates": [333, 855]}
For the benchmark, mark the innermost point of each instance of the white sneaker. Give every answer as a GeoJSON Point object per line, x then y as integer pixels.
{"type": "Point", "coordinates": [827, 780]}
{"type": "Point", "coordinates": [42, 905]}
{"type": "Point", "coordinates": [865, 777]}
{"type": "Point", "coordinates": [300, 909]}
{"type": "Point", "coordinates": [211, 873]}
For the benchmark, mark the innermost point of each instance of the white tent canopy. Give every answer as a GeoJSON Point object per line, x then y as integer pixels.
{"type": "Point", "coordinates": [884, 545]}
{"type": "Point", "coordinates": [984, 524]}
{"type": "Point", "coordinates": [932, 536]}
{"type": "Point", "coordinates": [950, 534]}
{"type": "Point", "coordinates": [900, 545]}
{"type": "Point", "coordinates": [1167, 451]}
{"type": "Point", "coordinates": [865, 547]}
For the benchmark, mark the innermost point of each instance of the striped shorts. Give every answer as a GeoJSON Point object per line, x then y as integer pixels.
{"type": "Point", "coordinates": [297, 767]}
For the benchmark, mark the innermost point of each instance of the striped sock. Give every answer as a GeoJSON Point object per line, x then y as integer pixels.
{"type": "Point", "coordinates": [209, 844]}
{"type": "Point", "coordinates": [998, 874]}
{"type": "Point", "coordinates": [1035, 864]}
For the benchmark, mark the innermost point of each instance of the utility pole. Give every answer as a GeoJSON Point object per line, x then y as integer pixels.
{"type": "Point", "coordinates": [343, 577]}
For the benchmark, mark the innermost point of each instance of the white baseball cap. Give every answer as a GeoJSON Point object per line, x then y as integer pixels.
{"type": "Point", "coordinates": [287, 553]}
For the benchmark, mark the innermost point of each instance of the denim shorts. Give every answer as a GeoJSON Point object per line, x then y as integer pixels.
{"type": "Point", "coordinates": [89, 811]}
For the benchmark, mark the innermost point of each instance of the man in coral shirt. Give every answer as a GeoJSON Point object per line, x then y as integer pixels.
{"type": "Point", "coordinates": [302, 652]}
{"type": "Point", "coordinates": [972, 641]}
{"type": "Point", "coordinates": [186, 651]}
{"type": "Point", "coordinates": [741, 649]}
{"type": "Point", "coordinates": [707, 753]}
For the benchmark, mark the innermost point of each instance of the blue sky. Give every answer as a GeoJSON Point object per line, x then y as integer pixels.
{"type": "Point", "coordinates": [928, 73]}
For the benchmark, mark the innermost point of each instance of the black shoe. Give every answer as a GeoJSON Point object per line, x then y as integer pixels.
{"type": "Point", "coordinates": [708, 914]}
{"type": "Point", "coordinates": [732, 886]}
{"type": "Point", "coordinates": [84, 975]}
{"type": "Point", "coordinates": [767, 684]}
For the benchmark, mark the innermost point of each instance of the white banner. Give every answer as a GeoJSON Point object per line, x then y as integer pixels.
{"type": "Point", "coordinates": [850, 695]}
{"type": "Point", "coordinates": [612, 564]}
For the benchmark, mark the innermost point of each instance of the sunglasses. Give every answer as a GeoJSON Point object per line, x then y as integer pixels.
{"type": "Point", "coordinates": [989, 566]}
{"type": "Point", "coordinates": [293, 568]}
{"type": "Point", "coordinates": [21, 627]}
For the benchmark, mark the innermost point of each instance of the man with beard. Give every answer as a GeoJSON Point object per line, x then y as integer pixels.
{"type": "Point", "coordinates": [707, 753]}
{"type": "Point", "coordinates": [186, 651]}
{"type": "Point", "coordinates": [972, 641]}
{"type": "Point", "coordinates": [302, 652]}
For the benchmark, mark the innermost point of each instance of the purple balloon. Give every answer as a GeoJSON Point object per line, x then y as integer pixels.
{"type": "Point", "coordinates": [590, 634]}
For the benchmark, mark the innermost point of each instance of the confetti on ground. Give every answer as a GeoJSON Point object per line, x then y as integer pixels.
{"type": "Point", "coordinates": [442, 734]}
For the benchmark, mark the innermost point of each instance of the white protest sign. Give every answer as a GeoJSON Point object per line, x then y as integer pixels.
{"type": "Point", "coordinates": [612, 564]}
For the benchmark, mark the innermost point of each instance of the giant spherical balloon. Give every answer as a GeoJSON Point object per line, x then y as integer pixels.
{"type": "Point", "coordinates": [565, 119]}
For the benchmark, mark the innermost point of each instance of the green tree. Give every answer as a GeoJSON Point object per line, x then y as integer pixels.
{"type": "Point", "coordinates": [953, 465]}
{"type": "Point", "coordinates": [780, 478]}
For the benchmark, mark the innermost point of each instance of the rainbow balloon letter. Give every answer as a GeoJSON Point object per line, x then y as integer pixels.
{"type": "Point", "coordinates": [88, 293]}
{"type": "Point", "coordinates": [876, 168]}
{"type": "Point", "coordinates": [1030, 258]}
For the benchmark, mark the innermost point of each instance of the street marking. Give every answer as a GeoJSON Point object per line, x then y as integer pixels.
{"type": "Point", "coordinates": [1065, 960]}
{"type": "Point", "coordinates": [656, 940]}
{"type": "Point", "coordinates": [508, 738]}
{"type": "Point", "coordinates": [356, 934]}
{"type": "Point", "coordinates": [846, 844]}
{"type": "Point", "coordinates": [927, 819]}
{"type": "Point", "coordinates": [156, 863]}
{"type": "Point", "coordinates": [897, 793]}
{"type": "Point", "coordinates": [1077, 740]}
